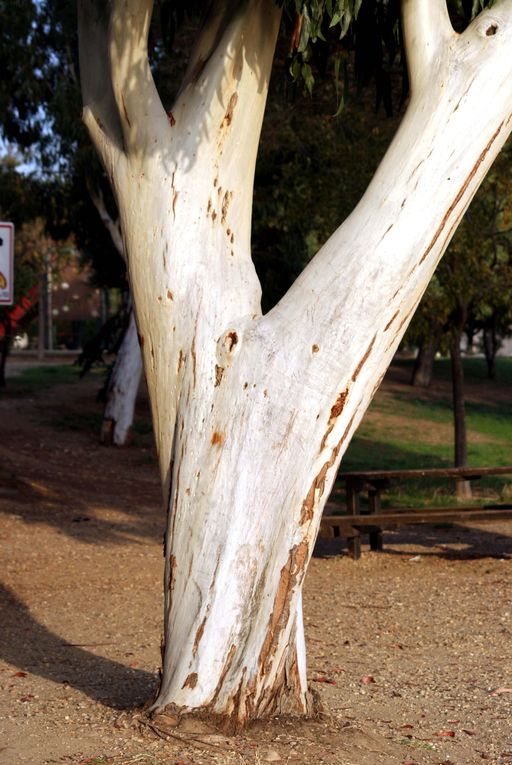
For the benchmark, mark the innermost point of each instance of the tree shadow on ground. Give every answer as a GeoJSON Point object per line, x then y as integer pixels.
{"type": "Point", "coordinates": [34, 649]}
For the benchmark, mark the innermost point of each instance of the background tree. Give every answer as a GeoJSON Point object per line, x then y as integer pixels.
{"type": "Point", "coordinates": [469, 293]}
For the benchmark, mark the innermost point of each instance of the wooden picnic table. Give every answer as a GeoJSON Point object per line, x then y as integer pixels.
{"type": "Point", "coordinates": [375, 518]}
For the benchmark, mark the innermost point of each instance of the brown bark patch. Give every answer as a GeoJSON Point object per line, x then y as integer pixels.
{"type": "Point", "coordinates": [231, 340]}
{"type": "Point", "coordinates": [141, 340]}
{"type": "Point", "coordinates": [289, 576]}
{"type": "Point", "coordinates": [191, 681]}
{"type": "Point", "coordinates": [172, 567]}
{"type": "Point", "coordinates": [336, 411]}
{"type": "Point", "coordinates": [363, 360]}
{"type": "Point", "coordinates": [340, 403]}
{"type": "Point", "coordinates": [225, 206]}
{"type": "Point", "coordinates": [228, 117]}
{"type": "Point", "coordinates": [218, 438]}
{"type": "Point", "coordinates": [390, 322]}
{"type": "Point", "coordinates": [193, 352]}
{"type": "Point", "coordinates": [170, 296]}
{"type": "Point", "coordinates": [199, 635]}
{"type": "Point", "coordinates": [219, 371]}
{"type": "Point", "coordinates": [314, 348]}
{"type": "Point", "coordinates": [170, 117]}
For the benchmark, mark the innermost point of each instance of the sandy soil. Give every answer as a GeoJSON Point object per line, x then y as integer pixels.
{"type": "Point", "coordinates": [410, 650]}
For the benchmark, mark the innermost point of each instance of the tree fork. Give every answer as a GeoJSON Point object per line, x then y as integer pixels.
{"type": "Point", "coordinates": [240, 399]}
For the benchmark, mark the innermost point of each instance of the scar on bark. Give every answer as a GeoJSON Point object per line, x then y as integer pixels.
{"type": "Point", "coordinates": [363, 360]}
{"type": "Point", "coordinates": [172, 121]}
{"type": "Point", "coordinates": [193, 351]}
{"type": "Point", "coordinates": [219, 371]}
{"type": "Point", "coordinates": [141, 340]}
{"type": "Point", "coordinates": [461, 192]}
{"type": "Point", "coordinates": [199, 635]}
{"type": "Point", "coordinates": [125, 111]}
{"type": "Point", "coordinates": [170, 296]}
{"type": "Point", "coordinates": [218, 438]}
{"type": "Point", "coordinates": [228, 117]}
{"type": "Point", "coordinates": [336, 410]}
{"type": "Point", "coordinates": [281, 610]}
{"type": "Point", "coordinates": [231, 340]}
{"type": "Point", "coordinates": [225, 205]}
{"type": "Point", "coordinates": [191, 681]}
{"type": "Point", "coordinates": [314, 348]}
{"type": "Point", "coordinates": [172, 562]}
{"type": "Point", "coordinates": [390, 322]}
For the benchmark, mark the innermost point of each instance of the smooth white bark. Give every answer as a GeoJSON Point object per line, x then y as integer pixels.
{"type": "Point", "coordinates": [123, 388]}
{"type": "Point", "coordinates": [253, 413]}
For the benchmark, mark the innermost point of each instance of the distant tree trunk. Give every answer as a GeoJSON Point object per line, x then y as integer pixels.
{"type": "Point", "coordinates": [125, 378]}
{"type": "Point", "coordinates": [5, 345]}
{"type": "Point", "coordinates": [491, 347]}
{"type": "Point", "coordinates": [424, 363]}
{"type": "Point", "coordinates": [459, 409]}
{"type": "Point", "coordinates": [122, 389]}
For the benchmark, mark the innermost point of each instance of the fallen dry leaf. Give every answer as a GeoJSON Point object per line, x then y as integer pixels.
{"type": "Point", "coordinates": [498, 691]}
{"type": "Point", "coordinates": [447, 733]}
{"type": "Point", "coordinates": [367, 680]}
{"type": "Point", "coordinates": [324, 680]}
{"type": "Point", "coordinates": [20, 674]}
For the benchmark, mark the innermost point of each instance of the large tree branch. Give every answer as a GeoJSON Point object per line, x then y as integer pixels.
{"type": "Point", "coordinates": [354, 300]}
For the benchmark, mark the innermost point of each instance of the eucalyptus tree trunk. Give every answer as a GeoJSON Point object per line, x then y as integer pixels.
{"type": "Point", "coordinates": [126, 373]}
{"type": "Point", "coordinates": [252, 413]}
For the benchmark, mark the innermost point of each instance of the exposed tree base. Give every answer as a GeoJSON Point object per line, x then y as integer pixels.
{"type": "Point", "coordinates": [173, 720]}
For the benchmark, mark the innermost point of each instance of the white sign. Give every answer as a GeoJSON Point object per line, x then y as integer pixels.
{"type": "Point", "coordinates": [6, 263]}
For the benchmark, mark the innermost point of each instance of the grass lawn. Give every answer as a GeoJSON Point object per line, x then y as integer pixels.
{"type": "Point", "coordinates": [407, 428]}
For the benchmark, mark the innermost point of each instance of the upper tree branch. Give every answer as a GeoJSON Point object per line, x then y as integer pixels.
{"type": "Point", "coordinates": [141, 114]}
{"type": "Point", "coordinates": [113, 226]}
{"type": "Point", "coordinates": [427, 28]}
